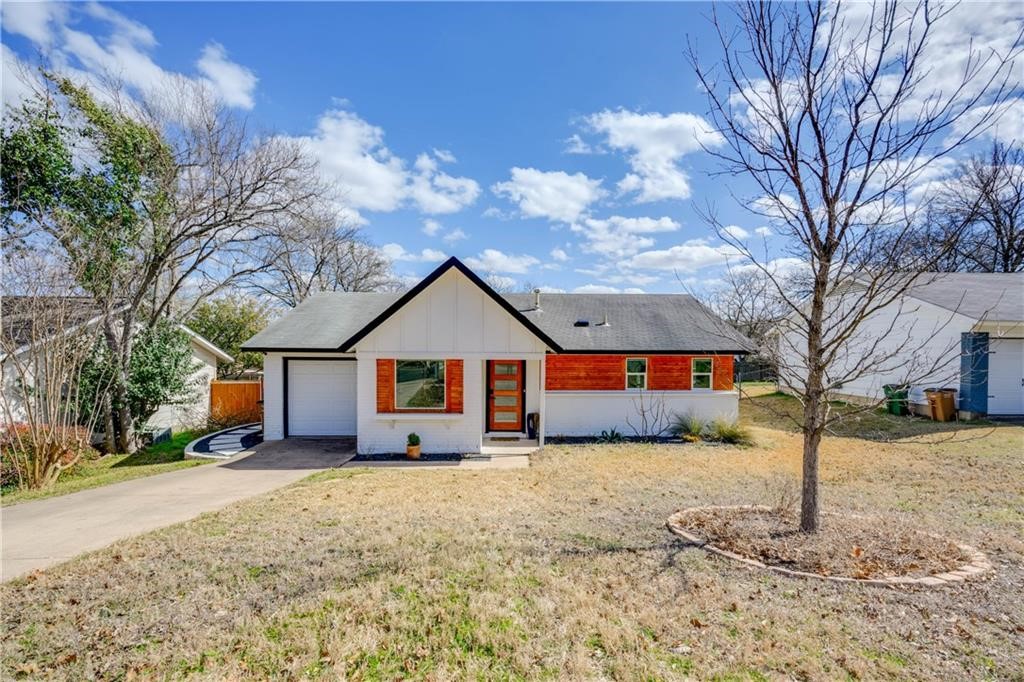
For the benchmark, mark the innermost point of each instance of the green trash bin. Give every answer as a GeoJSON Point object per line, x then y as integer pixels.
{"type": "Point", "coordinates": [896, 399]}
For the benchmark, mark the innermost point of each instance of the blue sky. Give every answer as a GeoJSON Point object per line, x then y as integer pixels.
{"type": "Point", "coordinates": [555, 144]}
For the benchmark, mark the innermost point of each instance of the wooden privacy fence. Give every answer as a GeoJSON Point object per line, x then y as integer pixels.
{"type": "Point", "coordinates": [236, 400]}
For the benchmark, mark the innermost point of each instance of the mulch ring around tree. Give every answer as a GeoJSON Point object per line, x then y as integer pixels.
{"type": "Point", "coordinates": [847, 548]}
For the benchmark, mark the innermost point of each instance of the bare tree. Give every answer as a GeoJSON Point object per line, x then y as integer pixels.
{"type": "Point", "coordinates": [194, 188]}
{"type": "Point", "coordinates": [48, 337]}
{"type": "Point", "coordinates": [988, 196]}
{"type": "Point", "coordinates": [313, 252]}
{"type": "Point", "coordinates": [834, 115]}
{"type": "Point", "coordinates": [745, 298]}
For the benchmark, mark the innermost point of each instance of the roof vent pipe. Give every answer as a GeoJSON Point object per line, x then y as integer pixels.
{"type": "Point", "coordinates": [604, 321]}
{"type": "Point", "coordinates": [536, 299]}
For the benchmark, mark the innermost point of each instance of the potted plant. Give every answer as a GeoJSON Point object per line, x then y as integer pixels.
{"type": "Point", "coordinates": [412, 446]}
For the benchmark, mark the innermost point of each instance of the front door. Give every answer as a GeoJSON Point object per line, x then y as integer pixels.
{"type": "Point", "coordinates": [505, 392]}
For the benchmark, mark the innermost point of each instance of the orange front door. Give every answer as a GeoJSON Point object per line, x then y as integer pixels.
{"type": "Point", "coordinates": [505, 395]}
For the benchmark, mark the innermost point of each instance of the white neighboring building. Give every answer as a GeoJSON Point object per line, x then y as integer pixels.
{"type": "Point", "coordinates": [205, 354]}
{"type": "Point", "coordinates": [953, 330]}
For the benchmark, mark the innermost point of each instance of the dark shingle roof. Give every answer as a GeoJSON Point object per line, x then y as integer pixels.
{"type": "Point", "coordinates": [995, 296]}
{"type": "Point", "coordinates": [637, 322]}
{"type": "Point", "coordinates": [21, 315]}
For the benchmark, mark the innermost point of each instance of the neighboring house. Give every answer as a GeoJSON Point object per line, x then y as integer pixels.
{"type": "Point", "coordinates": [952, 330]}
{"type": "Point", "coordinates": [18, 333]}
{"type": "Point", "coordinates": [459, 364]}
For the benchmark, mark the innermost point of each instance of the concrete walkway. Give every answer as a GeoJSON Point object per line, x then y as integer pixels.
{"type": "Point", "coordinates": [46, 532]}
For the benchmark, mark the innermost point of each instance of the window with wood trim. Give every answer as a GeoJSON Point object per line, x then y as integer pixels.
{"type": "Point", "coordinates": [700, 375]}
{"type": "Point", "coordinates": [419, 385]}
{"type": "Point", "coordinates": [636, 374]}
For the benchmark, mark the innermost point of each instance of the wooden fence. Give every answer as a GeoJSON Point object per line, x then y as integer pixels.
{"type": "Point", "coordinates": [236, 400]}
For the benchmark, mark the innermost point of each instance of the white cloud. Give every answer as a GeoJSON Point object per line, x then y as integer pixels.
{"type": "Point", "coordinates": [576, 145]}
{"type": "Point", "coordinates": [397, 252]}
{"type": "Point", "coordinates": [559, 254]}
{"type": "Point", "coordinates": [736, 232]}
{"type": "Point", "coordinates": [34, 20]}
{"type": "Point", "coordinates": [431, 227]}
{"type": "Point", "coordinates": [444, 155]}
{"type": "Point", "coordinates": [778, 267]}
{"type": "Point", "coordinates": [654, 143]}
{"type": "Point", "coordinates": [1007, 121]}
{"type": "Point", "coordinates": [352, 152]}
{"type": "Point", "coordinates": [763, 231]}
{"type": "Point", "coordinates": [554, 195]}
{"type": "Point", "coordinates": [15, 77]}
{"type": "Point", "coordinates": [454, 236]}
{"type": "Point", "coordinates": [122, 53]}
{"type": "Point", "coordinates": [779, 207]}
{"type": "Point", "coordinates": [234, 82]}
{"type": "Point", "coordinates": [689, 256]}
{"type": "Point", "coordinates": [618, 236]}
{"type": "Point", "coordinates": [500, 282]}
{"type": "Point", "coordinates": [551, 290]}
{"type": "Point", "coordinates": [603, 289]}
{"type": "Point", "coordinates": [493, 260]}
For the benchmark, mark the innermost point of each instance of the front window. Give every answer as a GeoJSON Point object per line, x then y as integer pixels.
{"type": "Point", "coordinates": [701, 377]}
{"type": "Point", "coordinates": [419, 384]}
{"type": "Point", "coordinates": [636, 373]}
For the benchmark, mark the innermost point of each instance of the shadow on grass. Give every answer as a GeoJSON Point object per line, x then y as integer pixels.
{"type": "Point", "coordinates": [172, 450]}
{"type": "Point", "coordinates": [781, 411]}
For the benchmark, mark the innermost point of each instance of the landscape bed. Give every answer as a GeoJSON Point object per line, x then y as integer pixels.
{"type": "Point", "coordinates": [563, 570]}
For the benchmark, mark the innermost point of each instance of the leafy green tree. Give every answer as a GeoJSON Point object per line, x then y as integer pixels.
{"type": "Point", "coordinates": [161, 372]}
{"type": "Point", "coordinates": [228, 322]}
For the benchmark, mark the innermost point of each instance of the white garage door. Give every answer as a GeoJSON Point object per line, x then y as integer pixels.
{"type": "Point", "coordinates": [321, 398]}
{"type": "Point", "coordinates": [1006, 376]}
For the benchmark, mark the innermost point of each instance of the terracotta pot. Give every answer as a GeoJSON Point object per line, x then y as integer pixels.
{"type": "Point", "coordinates": [412, 451]}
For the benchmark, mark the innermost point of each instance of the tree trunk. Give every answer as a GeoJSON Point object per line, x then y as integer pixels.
{"type": "Point", "coordinates": [109, 435]}
{"type": "Point", "coordinates": [809, 511]}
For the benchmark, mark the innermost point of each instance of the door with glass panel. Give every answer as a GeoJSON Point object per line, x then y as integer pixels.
{"type": "Point", "coordinates": [505, 392]}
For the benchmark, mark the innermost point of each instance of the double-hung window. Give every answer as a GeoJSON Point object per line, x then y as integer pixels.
{"type": "Point", "coordinates": [700, 375]}
{"type": "Point", "coordinates": [419, 385]}
{"type": "Point", "coordinates": [636, 373]}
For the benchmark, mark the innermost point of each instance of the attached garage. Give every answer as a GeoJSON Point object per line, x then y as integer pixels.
{"type": "Point", "coordinates": [320, 397]}
{"type": "Point", "coordinates": [1006, 377]}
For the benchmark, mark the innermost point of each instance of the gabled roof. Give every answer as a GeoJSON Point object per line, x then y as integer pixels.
{"type": "Point", "coordinates": [350, 316]}
{"type": "Point", "coordinates": [638, 323]}
{"type": "Point", "coordinates": [992, 296]}
{"type": "Point", "coordinates": [18, 319]}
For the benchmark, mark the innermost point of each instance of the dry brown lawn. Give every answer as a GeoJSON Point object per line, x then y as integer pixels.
{"type": "Point", "coordinates": [564, 570]}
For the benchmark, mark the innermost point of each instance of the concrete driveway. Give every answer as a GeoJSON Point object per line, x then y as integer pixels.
{"type": "Point", "coordinates": [46, 532]}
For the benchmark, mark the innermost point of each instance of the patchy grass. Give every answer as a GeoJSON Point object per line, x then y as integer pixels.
{"type": "Point", "coordinates": [156, 459]}
{"type": "Point", "coordinates": [767, 407]}
{"type": "Point", "coordinates": [564, 570]}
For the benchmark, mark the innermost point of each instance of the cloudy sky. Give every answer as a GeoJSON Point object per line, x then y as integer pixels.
{"type": "Point", "coordinates": [559, 145]}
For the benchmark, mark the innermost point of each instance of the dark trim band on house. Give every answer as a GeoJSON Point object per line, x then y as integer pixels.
{"type": "Point", "coordinates": [631, 352]}
{"type": "Point", "coordinates": [249, 349]}
{"type": "Point", "coordinates": [430, 279]}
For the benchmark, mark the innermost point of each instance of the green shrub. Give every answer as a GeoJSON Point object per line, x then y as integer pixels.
{"type": "Point", "coordinates": [610, 436]}
{"type": "Point", "coordinates": [689, 427]}
{"type": "Point", "coordinates": [724, 431]}
{"type": "Point", "coordinates": [413, 439]}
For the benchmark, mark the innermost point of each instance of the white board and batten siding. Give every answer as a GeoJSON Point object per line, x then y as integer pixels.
{"type": "Point", "coordinates": [450, 319]}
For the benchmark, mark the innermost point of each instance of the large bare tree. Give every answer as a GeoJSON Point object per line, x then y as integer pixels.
{"type": "Point", "coordinates": [986, 195]}
{"type": "Point", "coordinates": [316, 251]}
{"type": "Point", "coordinates": [834, 113]}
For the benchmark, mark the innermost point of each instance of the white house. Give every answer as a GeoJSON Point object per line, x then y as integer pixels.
{"type": "Point", "coordinates": [951, 330]}
{"type": "Point", "coordinates": [460, 364]}
{"type": "Point", "coordinates": [19, 336]}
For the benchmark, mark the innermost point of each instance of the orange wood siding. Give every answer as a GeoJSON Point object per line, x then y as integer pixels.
{"type": "Point", "coordinates": [668, 372]}
{"type": "Point", "coordinates": [721, 373]}
{"type": "Point", "coordinates": [585, 373]}
{"type": "Point", "coordinates": [608, 372]}
{"type": "Point", "coordinates": [385, 386]}
{"type": "Point", "coordinates": [453, 387]}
